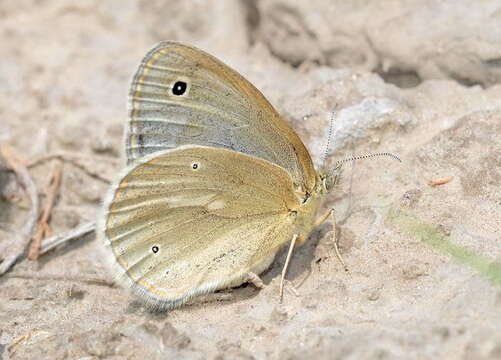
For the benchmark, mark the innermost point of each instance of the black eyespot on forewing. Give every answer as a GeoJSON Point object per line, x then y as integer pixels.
{"type": "Point", "coordinates": [155, 249]}
{"type": "Point", "coordinates": [194, 166]}
{"type": "Point", "coordinates": [179, 88]}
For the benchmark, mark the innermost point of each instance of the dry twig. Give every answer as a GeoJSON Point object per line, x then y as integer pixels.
{"type": "Point", "coordinates": [73, 159]}
{"type": "Point", "coordinates": [76, 233]}
{"type": "Point", "coordinates": [43, 224]}
{"type": "Point", "coordinates": [18, 245]}
{"type": "Point", "coordinates": [11, 348]}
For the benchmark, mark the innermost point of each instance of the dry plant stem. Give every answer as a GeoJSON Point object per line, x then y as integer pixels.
{"type": "Point", "coordinates": [43, 224]}
{"type": "Point", "coordinates": [18, 246]}
{"type": "Point", "coordinates": [74, 234]}
{"type": "Point", "coordinates": [48, 230]}
{"type": "Point", "coordinates": [50, 243]}
{"type": "Point", "coordinates": [74, 160]}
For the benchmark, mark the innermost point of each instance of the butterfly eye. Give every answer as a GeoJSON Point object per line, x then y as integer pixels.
{"type": "Point", "coordinates": [194, 166]}
{"type": "Point", "coordinates": [155, 249]}
{"type": "Point", "coordinates": [179, 88]}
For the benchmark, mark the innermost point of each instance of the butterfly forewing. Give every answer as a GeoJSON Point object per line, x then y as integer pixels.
{"type": "Point", "coordinates": [187, 221]}
{"type": "Point", "coordinates": [181, 95]}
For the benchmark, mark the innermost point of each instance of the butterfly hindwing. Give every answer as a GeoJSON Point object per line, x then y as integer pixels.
{"type": "Point", "coordinates": [185, 222]}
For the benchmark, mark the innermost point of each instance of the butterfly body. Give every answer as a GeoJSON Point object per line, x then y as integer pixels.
{"type": "Point", "coordinates": [216, 183]}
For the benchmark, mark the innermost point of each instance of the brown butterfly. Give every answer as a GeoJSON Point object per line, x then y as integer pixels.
{"type": "Point", "coordinates": [217, 181]}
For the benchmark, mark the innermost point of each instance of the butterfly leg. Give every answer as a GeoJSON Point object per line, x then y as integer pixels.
{"type": "Point", "coordinates": [286, 265]}
{"type": "Point", "coordinates": [330, 214]}
{"type": "Point", "coordinates": [255, 280]}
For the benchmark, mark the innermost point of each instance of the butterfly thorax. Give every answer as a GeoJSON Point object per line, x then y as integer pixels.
{"type": "Point", "coordinates": [306, 213]}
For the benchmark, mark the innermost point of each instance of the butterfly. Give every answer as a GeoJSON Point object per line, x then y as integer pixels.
{"type": "Point", "coordinates": [216, 184]}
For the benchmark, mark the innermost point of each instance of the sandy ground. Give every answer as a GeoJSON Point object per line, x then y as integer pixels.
{"type": "Point", "coordinates": [416, 78]}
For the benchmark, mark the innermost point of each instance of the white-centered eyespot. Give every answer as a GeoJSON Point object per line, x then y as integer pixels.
{"type": "Point", "coordinates": [179, 88]}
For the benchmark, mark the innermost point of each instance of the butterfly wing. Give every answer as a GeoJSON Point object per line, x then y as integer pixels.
{"type": "Point", "coordinates": [181, 95]}
{"type": "Point", "coordinates": [185, 222]}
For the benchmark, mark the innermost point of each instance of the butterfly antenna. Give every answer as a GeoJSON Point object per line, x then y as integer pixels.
{"type": "Point", "coordinates": [366, 156]}
{"type": "Point", "coordinates": [329, 137]}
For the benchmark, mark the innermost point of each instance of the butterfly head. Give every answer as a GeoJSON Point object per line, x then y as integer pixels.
{"type": "Point", "coordinates": [329, 179]}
